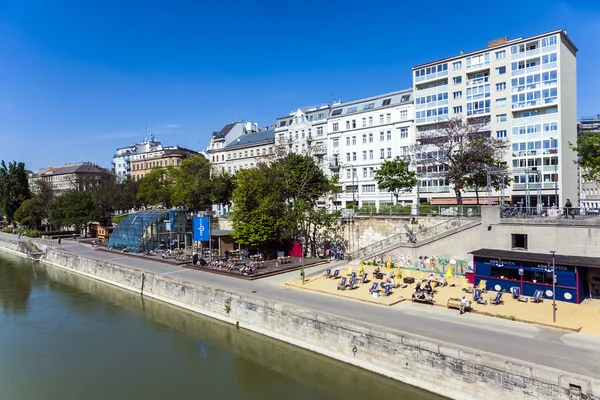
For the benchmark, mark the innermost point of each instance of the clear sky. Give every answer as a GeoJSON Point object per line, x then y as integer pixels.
{"type": "Point", "coordinates": [80, 78]}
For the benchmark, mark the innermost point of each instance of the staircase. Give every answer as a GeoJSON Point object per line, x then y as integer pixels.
{"type": "Point", "coordinates": [409, 237]}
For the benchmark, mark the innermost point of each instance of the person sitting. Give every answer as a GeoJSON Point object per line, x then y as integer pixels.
{"type": "Point", "coordinates": [418, 287]}
{"type": "Point", "coordinates": [428, 288]}
{"type": "Point", "coordinates": [464, 305]}
{"type": "Point", "coordinates": [376, 271]}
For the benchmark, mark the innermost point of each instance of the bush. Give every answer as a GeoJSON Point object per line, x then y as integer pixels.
{"type": "Point", "coordinates": [118, 218]}
{"type": "Point", "coordinates": [425, 208]}
{"type": "Point", "coordinates": [402, 210]}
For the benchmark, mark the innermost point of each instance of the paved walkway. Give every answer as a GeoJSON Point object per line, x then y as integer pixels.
{"type": "Point", "coordinates": [572, 352]}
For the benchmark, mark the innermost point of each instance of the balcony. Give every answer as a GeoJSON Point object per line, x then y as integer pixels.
{"type": "Point", "coordinates": [478, 81]}
{"type": "Point", "coordinates": [479, 66]}
{"type": "Point", "coordinates": [319, 150]}
{"type": "Point", "coordinates": [431, 120]}
{"type": "Point", "coordinates": [434, 189]}
{"type": "Point", "coordinates": [335, 166]}
{"type": "Point", "coordinates": [432, 90]}
{"type": "Point", "coordinates": [436, 75]}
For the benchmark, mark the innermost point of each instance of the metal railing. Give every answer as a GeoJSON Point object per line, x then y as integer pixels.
{"type": "Point", "coordinates": [441, 211]}
{"type": "Point", "coordinates": [550, 212]}
{"type": "Point", "coordinates": [423, 232]}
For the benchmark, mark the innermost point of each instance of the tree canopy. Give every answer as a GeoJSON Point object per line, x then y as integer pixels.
{"type": "Point", "coordinates": [395, 177]}
{"type": "Point", "coordinates": [588, 149]}
{"type": "Point", "coordinates": [191, 183]}
{"type": "Point", "coordinates": [14, 187]}
{"type": "Point", "coordinates": [156, 187]}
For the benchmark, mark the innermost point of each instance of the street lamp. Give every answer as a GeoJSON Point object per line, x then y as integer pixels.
{"type": "Point", "coordinates": [553, 287]}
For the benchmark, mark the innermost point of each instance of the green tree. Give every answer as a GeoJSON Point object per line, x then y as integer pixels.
{"type": "Point", "coordinates": [222, 185]}
{"type": "Point", "coordinates": [156, 187]}
{"type": "Point", "coordinates": [192, 185]}
{"type": "Point", "coordinates": [588, 149]}
{"type": "Point", "coordinates": [31, 213]}
{"type": "Point", "coordinates": [395, 177]}
{"type": "Point", "coordinates": [489, 163]}
{"type": "Point", "coordinates": [74, 209]}
{"type": "Point", "coordinates": [14, 187]}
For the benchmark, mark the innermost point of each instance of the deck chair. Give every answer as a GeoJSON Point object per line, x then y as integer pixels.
{"type": "Point", "coordinates": [498, 299]}
{"type": "Point", "coordinates": [388, 290]}
{"type": "Point", "coordinates": [374, 288]}
{"type": "Point", "coordinates": [342, 284]}
{"type": "Point", "coordinates": [352, 284]}
{"type": "Point", "coordinates": [538, 296]}
{"type": "Point", "coordinates": [516, 292]}
{"type": "Point", "coordinates": [363, 278]}
{"type": "Point", "coordinates": [327, 274]}
{"type": "Point", "coordinates": [478, 298]}
{"type": "Point", "coordinates": [336, 274]}
{"type": "Point", "coordinates": [353, 276]}
{"type": "Point", "coordinates": [481, 285]}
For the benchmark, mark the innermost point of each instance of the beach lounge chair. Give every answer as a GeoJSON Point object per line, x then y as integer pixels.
{"type": "Point", "coordinates": [353, 276]}
{"type": "Point", "coordinates": [498, 299]}
{"type": "Point", "coordinates": [538, 296]}
{"type": "Point", "coordinates": [478, 297]}
{"type": "Point", "coordinates": [516, 292]}
{"type": "Point", "coordinates": [327, 274]}
{"type": "Point", "coordinates": [374, 288]}
{"type": "Point", "coordinates": [363, 278]}
{"type": "Point", "coordinates": [388, 290]}
{"type": "Point", "coordinates": [342, 284]}
{"type": "Point", "coordinates": [352, 284]}
{"type": "Point", "coordinates": [481, 285]}
{"type": "Point", "coordinates": [336, 274]}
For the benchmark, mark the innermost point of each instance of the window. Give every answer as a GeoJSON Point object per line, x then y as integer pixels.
{"type": "Point", "coordinates": [348, 174]}
{"type": "Point", "coordinates": [347, 125]}
{"type": "Point", "coordinates": [389, 135]}
{"type": "Point", "coordinates": [337, 112]}
{"type": "Point", "coordinates": [348, 141]}
{"type": "Point", "coordinates": [370, 138]}
{"type": "Point", "coordinates": [500, 86]}
{"type": "Point", "coordinates": [501, 118]}
{"type": "Point", "coordinates": [519, 241]}
{"type": "Point", "coordinates": [353, 124]}
{"type": "Point", "coordinates": [370, 154]}
{"type": "Point", "coordinates": [369, 106]}
{"type": "Point", "coordinates": [320, 131]}
{"type": "Point", "coordinates": [381, 118]}
{"type": "Point", "coordinates": [364, 155]}
{"type": "Point", "coordinates": [457, 65]}
{"type": "Point", "coordinates": [500, 70]}
{"type": "Point", "coordinates": [389, 153]}
{"type": "Point", "coordinates": [353, 156]}
{"type": "Point", "coordinates": [371, 172]}
{"type": "Point", "coordinates": [381, 136]}
{"type": "Point", "coordinates": [457, 80]}
{"type": "Point", "coordinates": [381, 153]}
{"type": "Point", "coordinates": [303, 134]}
{"type": "Point", "coordinates": [500, 54]}
{"type": "Point", "coordinates": [365, 172]}
{"type": "Point", "coordinates": [403, 115]}
{"type": "Point", "coordinates": [364, 122]}
{"type": "Point", "coordinates": [500, 134]}
{"type": "Point", "coordinates": [368, 188]}
{"type": "Point", "coordinates": [457, 95]}
{"type": "Point", "coordinates": [352, 110]}
{"type": "Point", "coordinates": [354, 140]}
{"type": "Point", "coordinates": [335, 126]}
{"type": "Point", "coordinates": [501, 102]}
{"type": "Point", "coordinates": [387, 102]}
{"type": "Point", "coordinates": [336, 142]}
{"type": "Point", "coordinates": [364, 139]}
{"type": "Point", "coordinates": [457, 110]}
{"type": "Point", "coordinates": [370, 121]}
{"type": "Point", "coordinates": [403, 133]}
{"type": "Point", "coordinates": [251, 153]}
{"type": "Point", "coordinates": [388, 118]}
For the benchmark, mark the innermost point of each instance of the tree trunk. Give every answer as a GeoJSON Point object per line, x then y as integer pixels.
{"type": "Point", "coordinates": [458, 194]}
{"type": "Point", "coordinates": [477, 195]}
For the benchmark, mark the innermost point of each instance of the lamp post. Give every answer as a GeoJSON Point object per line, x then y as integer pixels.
{"type": "Point", "coordinates": [553, 287]}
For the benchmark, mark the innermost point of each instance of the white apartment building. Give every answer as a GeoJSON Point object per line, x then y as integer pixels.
{"type": "Point", "coordinates": [526, 87]}
{"type": "Point", "coordinates": [121, 163]}
{"type": "Point", "coordinates": [361, 135]}
{"type": "Point", "coordinates": [248, 150]}
{"type": "Point", "coordinates": [219, 140]}
{"type": "Point", "coordinates": [304, 131]}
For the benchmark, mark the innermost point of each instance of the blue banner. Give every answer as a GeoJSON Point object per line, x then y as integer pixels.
{"type": "Point", "coordinates": [201, 227]}
{"type": "Point", "coordinates": [172, 220]}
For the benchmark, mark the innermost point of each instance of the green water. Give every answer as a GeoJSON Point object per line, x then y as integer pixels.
{"type": "Point", "coordinates": [64, 337]}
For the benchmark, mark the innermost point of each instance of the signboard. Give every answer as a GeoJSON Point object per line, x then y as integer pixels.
{"type": "Point", "coordinates": [201, 226]}
{"type": "Point", "coordinates": [171, 220]}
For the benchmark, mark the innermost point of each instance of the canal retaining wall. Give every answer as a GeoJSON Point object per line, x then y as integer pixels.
{"type": "Point", "coordinates": [450, 370]}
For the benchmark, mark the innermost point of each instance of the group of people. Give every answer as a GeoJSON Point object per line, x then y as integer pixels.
{"type": "Point", "coordinates": [246, 270]}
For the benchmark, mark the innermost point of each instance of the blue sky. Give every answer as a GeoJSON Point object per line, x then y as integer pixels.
{"type": "Point", "coordinates": [80, 78]}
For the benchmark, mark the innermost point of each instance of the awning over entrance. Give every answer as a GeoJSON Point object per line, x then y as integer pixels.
{"type": "Point", "coordinates": [544, 258]}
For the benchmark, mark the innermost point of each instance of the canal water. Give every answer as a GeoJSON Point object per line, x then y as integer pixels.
{"type": "Point", "coordinates": [63, 336]}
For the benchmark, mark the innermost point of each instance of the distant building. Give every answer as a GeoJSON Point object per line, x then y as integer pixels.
{"type": "Point", "coordinates": [141, 164]}
{"type": "Point", "coordinates": [589, 195]}
{"type": "Point", "coordinates": [220, 139]}
{"type": "Point", "coordinates": [121, 163]}
{"type": "Point", "coordinates": [247, 150]}
{"type": "Point", "coordinates": [78, 176]}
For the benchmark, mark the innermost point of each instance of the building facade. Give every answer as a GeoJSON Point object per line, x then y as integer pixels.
{"type": "Point", "coordinates": [78, 176]}
{"type": "Point", "coordinates": [246, 151]}
{"type": "Point", "coordinates": [590, 193]}
{"type": "Point", "coordinates": [121, 163]}
{"type": "Point", "coordinates": [141, 164]}
{"type": "Point", "coordinates": [362, 134]}
{"type": "Point", "coordinates": [219, 140]}
{"type": "Point", "coordinates": [526, 89]}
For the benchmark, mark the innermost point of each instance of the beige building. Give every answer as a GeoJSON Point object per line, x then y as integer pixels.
{"type": "Point", "coordinates": [78, 176]}
{"type": "Point", "coordinates": [526, 89]}
{"type": "Point", "coordinates": [246, 151]}
{"type": "Point", "coordinates": [141, 164]}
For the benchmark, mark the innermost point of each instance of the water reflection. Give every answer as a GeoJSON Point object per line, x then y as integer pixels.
{"type": "Point", "coordinates": [16, 278]}
{"type": "Point", "coordinates": [142, 348]}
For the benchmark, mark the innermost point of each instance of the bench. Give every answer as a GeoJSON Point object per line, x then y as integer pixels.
{"type": "Point", "coordinates": [454, 302]}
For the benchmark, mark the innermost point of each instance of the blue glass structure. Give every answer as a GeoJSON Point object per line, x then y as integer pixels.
{"type": "Point", "coordinates": [151, 230]}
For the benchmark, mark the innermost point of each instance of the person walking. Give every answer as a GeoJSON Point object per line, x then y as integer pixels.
{"type": "Point", "coordinates": [568, 207]}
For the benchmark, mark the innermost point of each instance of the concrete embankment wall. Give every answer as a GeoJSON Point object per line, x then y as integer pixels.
{"type": "Point", "coordinates": [450, 370]}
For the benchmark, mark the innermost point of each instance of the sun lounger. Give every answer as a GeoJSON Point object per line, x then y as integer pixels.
{"type": "Point", "coordinates": [478, 298]}
{"type": "Point", "coordinates": [353, 276]}
{"type": "Point", "coordinates": [374, 288]}
{"type": "Point", "coordinates": [516, 292]}
{"type": "Point", "coordinates": [388, 290]}
{"type": "Point", "coordinates": [498, 299]}
{"type": "Point", "coordinates": [336, 274]}
{"type": "Point", "coordinates": [327, 274]}
{"type": "Point", "coordinates": [352, 284]}
{"type": "Point", "coordinates": [364, 279]}
{"type": "Point", "coordinates": [538, 296]}
{"type": "Point", "coordinates": [481, 285]}
{"type": "Point", "coordinates": [342, 284]}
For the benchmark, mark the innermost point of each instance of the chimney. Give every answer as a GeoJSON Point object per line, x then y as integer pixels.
{"type": "Point", "coordinates": [462, 52]}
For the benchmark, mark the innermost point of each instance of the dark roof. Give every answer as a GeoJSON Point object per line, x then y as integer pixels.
{"type": "Point", "coordinates": [180, 151]}
{"type": "Point", "coordinates": [544, 258]}
{"type": "Point", "coordinates": [226, 129]}
{"type": "Point", "coordinates": [76, 168]}
{"type": "Point", "coordinates": [253, 139]}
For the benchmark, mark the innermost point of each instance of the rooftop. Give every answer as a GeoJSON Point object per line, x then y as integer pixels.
{"type": "Point", "coordinates": [253, 139]}
{"type": "Point", "coordinates": [223, 132]}
{"type": "Point", "coordinates": [380, 101]}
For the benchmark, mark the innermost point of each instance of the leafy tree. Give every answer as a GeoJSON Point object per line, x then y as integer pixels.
{"type": "Point", "coordinates": [32, 212]}
{"type": "Point", "coordinates": [588, 149]}
{"type": "Point", "coordinates": [156, 187]}
{"type": "Point", "coordinates": [192, 183]}
{"type": "Point", "coordinates": [456, 148]}
{"type": "Point", "coordinates": [395, 177]}
{"type": "Point", "coordinates": [222, 185]}
{"type": "Point", "coordinates": [497, 169]}
{"type": "Point", "coordinates": [14, 187]}
{"type": "Point", "coordinates": [127, 195]}
{"type": "Point", "coordinates": [74, 208]}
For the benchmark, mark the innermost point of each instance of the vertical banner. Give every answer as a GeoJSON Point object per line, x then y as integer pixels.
{"type": "Point", "coordinates": [201, 226]}
{"type": "Point", "coordinates": [172, 220]}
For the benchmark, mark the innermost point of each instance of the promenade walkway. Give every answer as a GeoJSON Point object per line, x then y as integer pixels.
{"type": "Point", "coordinates": [572, 352]}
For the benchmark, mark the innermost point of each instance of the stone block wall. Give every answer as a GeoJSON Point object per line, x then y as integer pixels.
{"type": "Point", "coordinates": [453, 371]}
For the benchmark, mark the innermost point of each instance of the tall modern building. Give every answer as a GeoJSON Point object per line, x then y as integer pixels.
{"type": "Point", "coordinates": [121, 163]}
{"type": "Point", "coordinates": [362, 134]}
{"type": "Point", "coordinates": [526, 89]}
